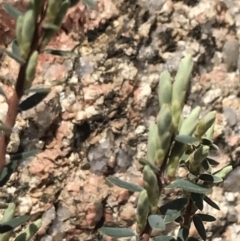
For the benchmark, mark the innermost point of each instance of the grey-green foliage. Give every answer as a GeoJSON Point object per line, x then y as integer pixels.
{"type": "Point", "coordinates": [175, 141]}
{"type": "Point", "coordinates": [34, 30]}
{"type": "Point", "coordinates": [9, 222]}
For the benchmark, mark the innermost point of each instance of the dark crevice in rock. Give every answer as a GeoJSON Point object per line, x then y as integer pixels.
{"type": "Point", "coordinates": [81, 133]}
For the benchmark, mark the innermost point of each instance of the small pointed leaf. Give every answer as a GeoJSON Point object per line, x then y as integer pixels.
{"type": "Point", "coordinates": [210, 178]}
{"type": "Point", "coordinates": [212, 162]}
{"type": "Point", "coordinates": [15, 13]}
{"type": "Point", "coordinates": [211, 203]}
{"type": "Point", "coordinates": [171, 216]}
{"type": "Point", "coordinates": [200, 227]}
{"type": "Point", "coordinates": [156, 222]}
{"type": "Point", "coordinates": [206, 217]}
{"type": "Point", "coordinates": [182, 234]}
{"type": "Point", "coordinates": [172, 210]}
{"type": "Point", "coordinates": [197, 200]}
{"type": "Point", "coordinates": [7, 172]}
{"type": "Point", "coordinates": [37, 90]}
{"type": "Point", "coordinates": [188, 186]}
{"type": "Point", "coordinates": [207, 142]}
{"type": "Point", "coordinates": [30, 231]}
{"type": "Point", "coordinates": [65, 53]}
{"type": "Point", "coordinates": [24, 155]}
{"type": "Point", "coordinates": [50, 26]}
{"type": "Point", "coordinates": [222, 173]}
{"type": "Point", "coordinates": [179, 219]}
{"type": "Point", "coordinates": [153, 167]}
{"type": "Point", "coordinates": [206, 166]}
{"type": "Point", "coordinates": [8, 215]}
{"type": "Point", "coordinates": [117, 232]}
{"type": "Point", "coordinates": [187, 139]}
{"type": "Point", "coordinates": [126, 185]}
{"type": "Point", "coordinates": [177, 204]}
{"type": "Point", "coordinates": [15, 49]}
{"type": "Point", "coordinates": [13, 223]}
{"type": "Point", "coordinates": [214, 147]}
{"type": "Point", "coordinates": [12, 55]}
{"type": "Point", "coordinates": [32, 101]}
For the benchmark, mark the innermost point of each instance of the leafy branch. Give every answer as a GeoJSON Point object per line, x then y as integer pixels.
{"type": "Point", "coordinates": [173, 142]}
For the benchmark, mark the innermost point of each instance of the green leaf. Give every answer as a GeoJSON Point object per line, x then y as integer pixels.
{"type": "Point", "coordinates": [178, 204]}
{"type": "Point", "coordinates": [143, 208]}
{"type": "Point", "coordinates": [164, 238]}
{"type": "Point", "coordinates": [153, 167]}
{"type": "Point", "coordinates": [5, 128]}
{"type": "Point", "coordinates": [172, 215]}
{"type": "Point", "coordinates": [12, 55]}
{"type": "Point", "coordinates": [24, 155]}
{"type": "Point", "coordinates": [211, 203]}
{"type": "Point", "coordinates": [15, 49]}
{"type": "Point", "coordinates": [179, 219]}
{"type": "Point", "coordinates": [209, 143]}
{"type": "Point", "coordinates": [180, 87]}
{"type": "Point", "coordinates": [182, 234]}
{"type": "Point", "coordinates": [37, 90]}
{"type": "Point", "coordinates": [222, 173]}
{"type": "Point", "coordinates": [212, 162]}
{"type": "Point", "coordinates": [206, 142]}
{"type": "Point", "coordinates": [156, 222]}
{"type": "Point", "coordinates": [126, 185]}
{"type": "Point", "coordinates": [117, 232]}
{"type": "Point", "coordinates": [50, 26]}
{"type": "Point", "coordinates": [197, 200]}
{"type": "Point", "coordinates": [188, 186]}
{"type": "Point", "coordinates": [189, 124]}
{"type": "Point", "coordinates": [32, 101]}
{"type": "Point", "coordinates": [7, 172]}
{"type": "Point", "coordinates": [165, 89]}
{"type": "Point", "coordinates": [185, 139]}
{"type": "Point", "coordinates": [15, 13]}
{"type": "Point", "coordinates": [90, 3]}
{"type": "Point", "coordinates": [65, 53]}
{"type": "Point", "coordinates": [173, 209]}
{"type": "Point", "coordinates": [13, 223]}
{"type": "Point", "coordinates": [206, 217]}
{"type": "Point", "coordinates": [8, 215]}
{"type": "Point", "coordinates": [214, 147]}
{"type": "Point", "coordinates": [199, 226]}
{"type": "Point", "coordinates": [30, 231]}
{"type": "Point", "coordinates": [31, 69]}
{"type": "Point", "coordinates": [210, 178]}
{"type": "Point", "coordinates": [206, 166]}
